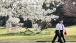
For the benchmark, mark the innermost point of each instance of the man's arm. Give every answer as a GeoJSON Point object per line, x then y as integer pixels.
{"type": "Point", "coordinates": [57, 27]}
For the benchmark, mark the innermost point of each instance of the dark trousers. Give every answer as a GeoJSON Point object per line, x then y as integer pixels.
{"type": "Point", "coordinates": [57, 34]}
{"type": "Point", "coordinates": [62, 36]}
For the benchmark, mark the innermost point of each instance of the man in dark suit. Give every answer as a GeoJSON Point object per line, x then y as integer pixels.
{"type": "Point", "coordinates": [57, 32]}
{"type": "Point", "coordinates": [61, 31]}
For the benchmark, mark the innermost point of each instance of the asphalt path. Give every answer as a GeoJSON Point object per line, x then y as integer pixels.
{"type": "Point", "coordinates": [34, 42]}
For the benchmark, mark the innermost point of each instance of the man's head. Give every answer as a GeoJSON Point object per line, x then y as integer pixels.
{"type": "Point", "coordinates": [61, 21]}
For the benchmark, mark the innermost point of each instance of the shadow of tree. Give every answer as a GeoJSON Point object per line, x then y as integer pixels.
{"type": "Point", "coordinates": [26, 33]}
{"type": "Point", "coordinates": [2, 27]}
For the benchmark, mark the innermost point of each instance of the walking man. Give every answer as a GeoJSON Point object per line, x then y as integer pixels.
{"type": "Point", "coordinates": [62, 30]}
{"type": "Point", "coordinates": [57, 32]}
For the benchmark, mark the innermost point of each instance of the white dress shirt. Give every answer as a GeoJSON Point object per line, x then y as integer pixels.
{"type": "Point", "coordinates": [60, 27]}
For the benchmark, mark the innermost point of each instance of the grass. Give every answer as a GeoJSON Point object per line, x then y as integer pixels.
{"type": "Point", "coordinates": [45, 35]}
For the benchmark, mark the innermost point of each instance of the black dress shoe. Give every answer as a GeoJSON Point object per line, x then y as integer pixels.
{"type": "Point", "coordinates": [52, 42]}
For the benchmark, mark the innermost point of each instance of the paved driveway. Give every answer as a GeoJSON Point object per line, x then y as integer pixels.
{"type": "Point", "coordinates": [34, 42]}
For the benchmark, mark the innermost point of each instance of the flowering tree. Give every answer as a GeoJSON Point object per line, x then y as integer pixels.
{"type": "Point", "coordinates": [32, 9]}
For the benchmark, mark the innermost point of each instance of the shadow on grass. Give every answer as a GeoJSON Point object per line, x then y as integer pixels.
{"type": "Point", "coordinates": [2, 27]}
{"type": "Point", "coordinates": [42, 41]}
{"type": "Point", "coordinates": [26, 33]}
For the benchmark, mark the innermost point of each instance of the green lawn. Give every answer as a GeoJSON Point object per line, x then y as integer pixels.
{"type": "Point", "coordinates": [45, 35]}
